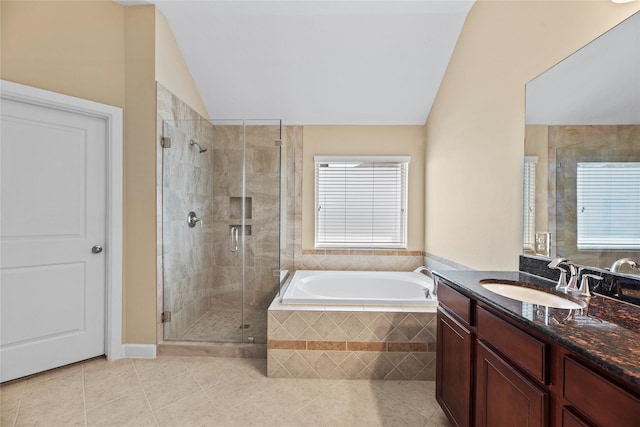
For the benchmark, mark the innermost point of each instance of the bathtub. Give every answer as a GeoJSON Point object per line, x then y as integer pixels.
{"type": "Point", "coordinates": [311, 287]}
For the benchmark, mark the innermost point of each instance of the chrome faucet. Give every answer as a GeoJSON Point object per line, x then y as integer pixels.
{"type": "Point", "coordinates": [615, 267]}
{"type": "Point", "coordinates": [423, 269]}
{"type": "Point", "coordinates": [584, 284]}
{"type": "Point", "coordinates": [562, 281]}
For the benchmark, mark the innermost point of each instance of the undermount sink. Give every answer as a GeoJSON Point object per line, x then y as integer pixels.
{"type": "Point", "coordinates": [518, 292]}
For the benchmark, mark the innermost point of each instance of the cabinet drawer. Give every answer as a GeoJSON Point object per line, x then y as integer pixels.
{"type": "Point", "coordinates": [455, 302]}
{"type": "Point", "coordinates": [569, 419]}
{"type": "Point", "coordinates": [598, 398]}
{"type": "Point", "coordinates": [524, 350]}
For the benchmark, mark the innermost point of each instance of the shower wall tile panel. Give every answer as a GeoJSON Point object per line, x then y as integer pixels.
{"type": "Point", "coordinates": [185, 183]}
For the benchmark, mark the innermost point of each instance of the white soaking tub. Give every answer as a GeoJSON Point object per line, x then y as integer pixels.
{"type": "Point", "coordinates": [360, 288]}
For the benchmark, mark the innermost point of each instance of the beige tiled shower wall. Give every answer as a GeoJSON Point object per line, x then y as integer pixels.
{"type": "Point", "coordinates": [185, 181]}
{"type": "Point", "coordinates": [569, 145]}
{"type": "Point", "coordinates": [351, 345]}
{"type": "Point", "coordinates": [262, 216]}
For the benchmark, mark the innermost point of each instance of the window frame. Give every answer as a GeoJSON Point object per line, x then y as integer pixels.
{"type": "Point", "coordinates": [401, 230]}
{"type": "Point", "coordinates": [606, 199]}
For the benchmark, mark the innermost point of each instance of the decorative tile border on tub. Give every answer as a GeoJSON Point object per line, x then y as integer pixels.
{"type": "Point", "coordinates": [351, 345]}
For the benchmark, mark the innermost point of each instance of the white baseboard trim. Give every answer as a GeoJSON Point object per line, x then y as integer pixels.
{"type": "Point", "coordinates": [139, 351]}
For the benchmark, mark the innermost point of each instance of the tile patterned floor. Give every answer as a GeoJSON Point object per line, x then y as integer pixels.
{"type": "Point", "coordinates": [191, 391]}
{"type": "Point", "coordinates": [225, 322]}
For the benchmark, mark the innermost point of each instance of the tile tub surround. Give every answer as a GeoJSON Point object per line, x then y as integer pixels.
{"type": "Point", "coordinates": [359, 260]}
{"type": "Point", "coordinates": [316, 343]}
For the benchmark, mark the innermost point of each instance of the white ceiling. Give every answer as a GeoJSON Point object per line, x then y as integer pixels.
{"type": "Point", "coordinates": [317, 62]}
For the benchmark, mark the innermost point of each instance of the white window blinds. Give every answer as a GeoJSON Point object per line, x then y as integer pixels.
{"type": "Point", "coordinates": [361, 202]}
{"type": "Point", "coordinates": [529, 203]}
{"type": "Point", "coordinates": [608, 205]}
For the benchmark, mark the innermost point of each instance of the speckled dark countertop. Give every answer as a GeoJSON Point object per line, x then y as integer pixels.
{"type": "Point", "coordinates": [613, 347]}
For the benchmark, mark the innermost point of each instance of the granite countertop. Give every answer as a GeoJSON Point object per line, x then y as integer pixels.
{"type": "Point", "coordinates": [615, 347]}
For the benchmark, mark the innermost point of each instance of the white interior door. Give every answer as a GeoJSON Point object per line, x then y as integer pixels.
{"type": "Point", "coordinates": [52, 284]}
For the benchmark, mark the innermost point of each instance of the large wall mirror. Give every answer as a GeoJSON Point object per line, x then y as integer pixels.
{"type": "Point", "coordinates": [582, 153]}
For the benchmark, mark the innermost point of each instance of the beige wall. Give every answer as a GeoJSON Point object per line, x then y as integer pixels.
{"type": "Point", "coordinates": [475, 130]}
{"type": "Point", "coordinates": [139, 305]}
{"type": "Point", "coordinates": [171, 70]}
{"type": "Point", "coordinates": [365, 141]}
{"type": "Point", "coordinates": [104, 52]}
{"type": "Point", "coordinates": [75, 48]}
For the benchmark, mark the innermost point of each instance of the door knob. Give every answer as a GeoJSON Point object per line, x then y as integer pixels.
{"type": "Point", "coordinates": [96, 249]}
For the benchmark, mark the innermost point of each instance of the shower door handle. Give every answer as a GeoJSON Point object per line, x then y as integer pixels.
{"type": "Point", "coordinates": [233, 243]}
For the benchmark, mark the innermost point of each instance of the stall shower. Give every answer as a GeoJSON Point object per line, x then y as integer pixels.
{"type": "Point", "coordinates": [221, 220]}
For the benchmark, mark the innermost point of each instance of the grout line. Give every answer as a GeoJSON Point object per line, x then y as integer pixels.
{"type": "Point", "coordinates": [153, 414]}
{"type": "Point", "coordinates": [84, 398]}
{"type": "Point", "coordinates": [15, 416]}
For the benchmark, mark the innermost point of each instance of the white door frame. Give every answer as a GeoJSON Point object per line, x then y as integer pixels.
{"type": "Point", "coordinates": [113, 117]}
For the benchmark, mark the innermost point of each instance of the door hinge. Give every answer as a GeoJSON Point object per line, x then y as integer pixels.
{"type": "Point", "coordinates": [165, 141]}
{"type": "Point", "coordinates": [166, 316]}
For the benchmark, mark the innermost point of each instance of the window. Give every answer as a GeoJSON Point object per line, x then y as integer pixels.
{"type": "Point", "coordinates": [529, 203]}
{"type": "Point", "coordinates": [361, 202]}
{"type": "Point", "coordinates": [608, 205]}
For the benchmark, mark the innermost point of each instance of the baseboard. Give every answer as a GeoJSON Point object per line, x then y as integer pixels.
{"type": "Point", "coordinates": [139, 351]}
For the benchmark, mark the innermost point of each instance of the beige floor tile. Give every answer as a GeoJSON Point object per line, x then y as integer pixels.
{"type": "Point", "coordinates": [56, 411]}
{"type": "Point", "coordinates": [103, 392]}
{"type": "Point", "coordinates": [153, 371]}
{"type": "Point", "coordinates": [55, 373]}
{"type": "Point", "coordinates": [439, 419]}
{"type": "Point", "coordinates": [211, 371]}
{"type": "Point", "coordinates": [57, 389]}
{"type": "Point", "coordinates": [8, 414]}
{"type": "Point", "coordinates": [235, 391]}
{"type": "Point", "coordinates": [11, 393]}
{"type": "Point", "coordinates": [390, 413]}
{"type": "Point", "coordinates": [418, 395]}
{"type": "Point", "coordinates": [193, 410]}
{"type": "Point", "coordinates": [171, 390]}
{"type": "Point", "coordinates": [263, 410]}
{"type": "Point", "coordinates": [7, 420]}
{"type": "Point", "coordinates": [126, 411]}
{"type": "Point", "coordinates": [100, 369]}
{"type": "Point", "coordinates": [336, 410]}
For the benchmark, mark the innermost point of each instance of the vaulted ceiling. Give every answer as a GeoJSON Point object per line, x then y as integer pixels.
{"type": "Point", "coordinates": [317, 62]}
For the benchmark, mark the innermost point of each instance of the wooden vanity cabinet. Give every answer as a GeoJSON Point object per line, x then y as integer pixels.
{"type": "Point", "coordinates": [599, 400]}
{"type": "Point", "coordinates": [493, 372]}
{"type": "Point", "coordinates": [454, 357]}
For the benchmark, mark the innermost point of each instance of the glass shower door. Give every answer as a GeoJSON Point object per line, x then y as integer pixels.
{"type": "Point", "coordinates": [221, 228]}
{"type": "Point", "coordinates": [262, 216]}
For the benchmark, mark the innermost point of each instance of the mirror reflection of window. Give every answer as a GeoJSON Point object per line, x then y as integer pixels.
{"type": "Point", "coordinates": [608, 205]}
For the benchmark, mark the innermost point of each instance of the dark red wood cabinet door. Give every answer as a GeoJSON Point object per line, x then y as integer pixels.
{"type": "Point", "coordinates": [504, 396]}
{"type": "Point", "coordinates": [453, 370]}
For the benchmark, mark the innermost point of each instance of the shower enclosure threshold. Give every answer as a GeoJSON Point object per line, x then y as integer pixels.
{"type": "Point", "coordinates": [212, 349]}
